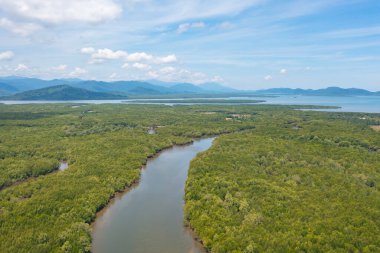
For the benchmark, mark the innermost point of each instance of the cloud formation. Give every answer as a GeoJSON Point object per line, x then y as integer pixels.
{"type": "Point", "coordinates": [61, 67]}
{"type": "Point", "coordinates": [23, 29]}
{"type": "Point", "coordinates": [78, 72]}
{"type": "Point", "coordinates": [21, 67]}
{"type": "Point", "coordinates": [137, 57]}
{"type": "Point", "coordinates": [6, 55]}
{"type": "Point", "coordinates": [187, 26]}
{"type": "Point", "coordinates": [169, 11]}
{"type": "Point", "coordinates": [61, 11]}
{"type": "Point", "coordinates": [268, 78]}
{"type": "Point", "coordinates": [108, 54]}
{"type": "Point", "coordinates": [99, 55]}
{"type": "Point", "coordinates": [172, 74]}
{"type": "Point", "coordinates": [141, 66]}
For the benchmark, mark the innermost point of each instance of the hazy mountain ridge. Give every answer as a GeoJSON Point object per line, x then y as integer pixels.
{"type": "Point", "coordinates": [330, 91]}
{"type": "Point", "coordinates": [19, 84]}
{"type": "Point", "coordinates": [62, 92]}
{"type": "Point", "coordinates": [14, 85]}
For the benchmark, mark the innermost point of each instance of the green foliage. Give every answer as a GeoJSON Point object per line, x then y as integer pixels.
{"type": "Point", "coordinates": [313, 187]}
{"type": "Point", "coordinates": [277, 188]}
{"type": "Point", "coordinates": [105, 146]}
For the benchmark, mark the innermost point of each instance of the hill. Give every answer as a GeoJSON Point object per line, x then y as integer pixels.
{"type": "Point", "coordinates": [151, 87]}
{"type": "Point", "coordinates": [216, 87]}
{"type": "Point", "coordinates": [330, 91]}
{"type": "Point", "coordinates": [12, 85]}
{"type": "Point", "coordinates": [6, 89]}
{"type": "Point", "coordinates": [62, 92]}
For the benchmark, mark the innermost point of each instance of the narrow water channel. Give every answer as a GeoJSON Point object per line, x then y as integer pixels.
{"type": "Point", "coordinates": [149, 218]}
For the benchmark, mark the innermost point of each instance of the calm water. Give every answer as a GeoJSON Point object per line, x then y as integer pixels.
{"type": "Point", "coordinates": [369, 104]}
{"type": "Point", "coordinates": [149, 218]}
{"type": "Point", "coordinates": [63, 166]}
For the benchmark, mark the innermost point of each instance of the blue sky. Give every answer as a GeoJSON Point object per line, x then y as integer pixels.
{"type": "Point", "coordinates": [247, 44]}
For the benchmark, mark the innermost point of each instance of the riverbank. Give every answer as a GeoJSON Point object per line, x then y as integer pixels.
{"type": "Point", "coordinates": [149, 215]}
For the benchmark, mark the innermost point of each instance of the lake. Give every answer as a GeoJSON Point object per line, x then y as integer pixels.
{"type": "Point", "coordinates": [367, 104]}
{"type": "Point", "coordinates": [149, 217]}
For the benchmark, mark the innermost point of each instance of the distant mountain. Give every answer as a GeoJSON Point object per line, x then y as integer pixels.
{"type": "Point", "coordinates": [216, 87]}
{"type": "Point", "coordinates": [13, 84]}
{"type": "Point", "coordinates": [62, 92]}
{"type": "Point", "coordinates": [24, 83]}
{"type": "Point", "coordinates": [330, 91]}
{"type": "Point", "coordinates": [152, 87]}
{"type": "Point", "coordinates": [186, 88]}
{"type": "Point", "coordinates": [161, 83]}
{"type": "Point", "coordinates": [6, 89]}
{"type": "Point", "coordinates": [126, 87]}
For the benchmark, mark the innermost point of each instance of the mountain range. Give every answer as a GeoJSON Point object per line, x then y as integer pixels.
{"type": "Point", "coordinates": [22, 88]}
{"type": "Point", "coordinates": [12, 85]}
{"type": "Point", "coordinates": [63, 92]}
{"type": "Point", "coordinates": [330, 91]}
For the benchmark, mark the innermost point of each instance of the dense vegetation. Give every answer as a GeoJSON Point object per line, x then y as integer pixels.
{"type": "Point", "coordinates": [106, 145]}
{"type": "Point", "coordinates": [298, 182]}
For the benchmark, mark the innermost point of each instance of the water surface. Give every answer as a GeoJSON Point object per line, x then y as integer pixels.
{"type": "Point", "coordinates": [149, 218]}
{"type": "Point", "coordinates": [63, 165]}
{"type": "Point", "coordinates": [366, 104]}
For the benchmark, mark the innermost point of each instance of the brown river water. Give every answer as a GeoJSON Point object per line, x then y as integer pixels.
{"type": "Point", "coordinates": [149, 217]}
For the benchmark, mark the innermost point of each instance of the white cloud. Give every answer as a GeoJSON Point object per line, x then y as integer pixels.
{"type": "Point", "coordinates": [78, 72]}
{"type": "Point", "coordinates": [171, 74]}
{"type": "Point", "coordinates": [283, 71]}
{"type": "Point", "coordinates": [187, 26]}
{"type": "Point", "coordinates": [21, 67]}
{"type": "Point", "coordinates": [141, 66]}
{"type": "Point", "coordinates": [23, 29]}
{"type": "Point", "coordinates": [6, 55]}
{"type": "Point", "coordinates": [268, 78]}
{"type": "Point", "coordinates": [183, 28]}
{"type": "Point", "coordinates": [99, 55]}
{"type": "Point", "coordinates": [87, 50]}
{"type": "Point", "coordinates": [167, 59]}
{"type": "Point", "coordinates": [61, 67]}
{"type": "Point", "coordinates": [109, 54]}
{"type": "Point", "coordinates": [168, 70]}
{"type": "Point", "coordinates": [136, 57]}
{"type": "Point", "coordinates": [61, 11]}
{"type": "Point", "coordinates": [125, 65]}
{"type": "Point", "coordinates": [142, 56]}
{"type": "Point", "coordinates": [113, 76]}
{"type": "Point", "coordinates": [153, 74]}
{"type": "Point", "coordinates": [95, 61]}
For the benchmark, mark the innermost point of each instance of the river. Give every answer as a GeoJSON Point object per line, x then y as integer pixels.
{"type": "Point", "coordinates": [149, 217]}
{"type": "Point", "coordinates": [365, 104]}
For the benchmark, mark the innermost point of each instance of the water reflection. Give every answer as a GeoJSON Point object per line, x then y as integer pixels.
{"type": "Point", "coordinates": [149, 218]}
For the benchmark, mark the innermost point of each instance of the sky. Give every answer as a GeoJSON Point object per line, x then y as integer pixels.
{"type": "Point", "coordinates": [245, 44]}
